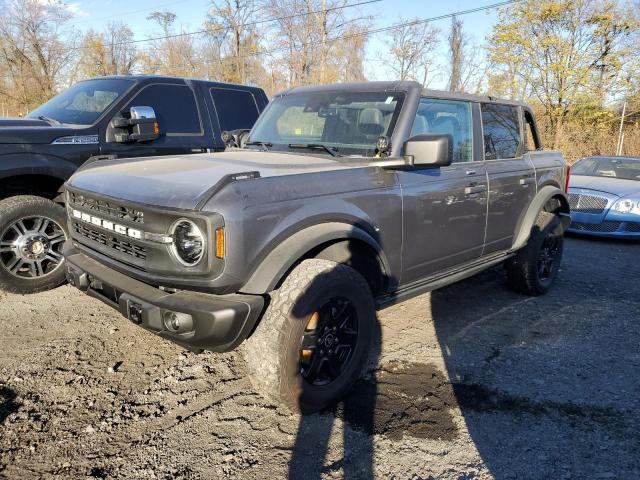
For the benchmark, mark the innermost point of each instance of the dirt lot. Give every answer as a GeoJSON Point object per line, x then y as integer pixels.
{"type": "Point", "coordinates": [472, 381]}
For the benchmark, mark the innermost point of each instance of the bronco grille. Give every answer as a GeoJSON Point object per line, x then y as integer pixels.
{"type": "Point", "coordinates": [604, 227]}
{"type": "Point", "coordinates": [127, 248]}
{"type": "Point", "coordinates": [587, 203]}
{"type": "Point", "coordinates": [109, 209]}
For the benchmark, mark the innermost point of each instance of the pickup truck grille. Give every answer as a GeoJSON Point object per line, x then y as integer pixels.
{"type": "Point", "coordinates": [110, 241]}
{"type": "Point", "coordinates": [587, 203]}
{"type": "Point", "coordinates": [105, 208]}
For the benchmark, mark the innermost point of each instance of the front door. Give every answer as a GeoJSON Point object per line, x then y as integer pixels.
{"type": "Point", "coordinates": [512, 182]}
{"type": "Point", "coordinates": [179, 119]}
{"type": "Point", "coordinates": [444, 208]}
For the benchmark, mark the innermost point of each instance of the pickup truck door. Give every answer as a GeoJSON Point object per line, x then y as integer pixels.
{"type": "Point", "coordinates": [444, 209]}
{"type": "Point", "coordinates": [180, 118]}
{"type": "Point", "coordinates": [512, 181]}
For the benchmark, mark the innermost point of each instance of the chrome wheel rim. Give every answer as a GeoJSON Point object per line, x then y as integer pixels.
{"type": "Point", "coordinates": [31, 247]}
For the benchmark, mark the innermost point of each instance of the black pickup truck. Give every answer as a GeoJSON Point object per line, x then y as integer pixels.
{"type": "Point", "coordinates": [115, 117]}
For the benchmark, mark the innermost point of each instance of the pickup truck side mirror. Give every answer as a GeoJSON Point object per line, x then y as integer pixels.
{"type": "Point", "coordinates": [429, 149]}
{"type": "Point", "coordinates": [141, 126]}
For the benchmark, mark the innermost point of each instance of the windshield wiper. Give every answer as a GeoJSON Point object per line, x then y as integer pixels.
{"type": "Point", "coordinates": [333, 151]}
{"type": "Point", "coordinates": [49, 120]}
{"type": "Point", "coordinates": [265, 145]}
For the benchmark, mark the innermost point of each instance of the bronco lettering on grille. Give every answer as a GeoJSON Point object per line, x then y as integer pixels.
{"type": "Point", "coordinates": [107, 225]}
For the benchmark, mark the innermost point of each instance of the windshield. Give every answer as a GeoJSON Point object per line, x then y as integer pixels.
{"type": "Point", "coordinates": [345, 122]}
{"type": "Point", "coordinates": [83, 103]}
{"type": "Point", "coordinates": [628, 169]}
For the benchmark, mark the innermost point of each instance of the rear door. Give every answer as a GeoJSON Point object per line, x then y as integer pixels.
{"type": "Point", "coordinates": [179, 117]}
{"type": "Point", "coordinates": [444, 208]}
{"type": "Point", "coordinates": [235, 108]}
{"type": "Point", "coordinates": [512, 183]}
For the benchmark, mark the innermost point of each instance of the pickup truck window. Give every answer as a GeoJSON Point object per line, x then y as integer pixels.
{"type": "Point", "coordinates": [83, 103]}
{"type": "Point", "coordinates": [349, 122]}
{"type": "Point", "coordinates": [449, 117]}
{"type": "Point", "coordinates": [175, 107]}
{"type": "Point", "coordinates": [501, 127]}
{"type": "Point", "coordinates": [239, 107]}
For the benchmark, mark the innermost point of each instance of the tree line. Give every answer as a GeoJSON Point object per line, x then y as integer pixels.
{"type": "Point", "coordinates": [575, 61]}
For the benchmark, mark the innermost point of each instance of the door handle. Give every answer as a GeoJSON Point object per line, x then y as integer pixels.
{"type": "Point", "coordinates": [471, 189]}
{"type": "Point", "coordinates": [526, 181]}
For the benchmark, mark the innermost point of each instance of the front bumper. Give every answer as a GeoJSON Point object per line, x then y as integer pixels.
{"type": "Point", "coordinates": [196, 321]}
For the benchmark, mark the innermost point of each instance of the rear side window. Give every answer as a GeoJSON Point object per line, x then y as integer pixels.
{"type": "Point", "coordinates": [235, 108]}
{"type": "Point", "coordinates": [501, 127]}
{"type": "Point", "coordinates": [175, 107]}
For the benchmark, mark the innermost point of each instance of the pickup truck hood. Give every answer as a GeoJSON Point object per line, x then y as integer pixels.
{"type": "Point", "coordinates": [31, 131]}
{"type": "Point", "coordinates": [184, 181]}
{"type": "Point", "coordinates": [615, 186]}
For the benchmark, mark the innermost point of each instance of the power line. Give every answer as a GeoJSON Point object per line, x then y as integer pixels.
{"type": "Point", "coordinates": [219, 29]}
{"type": "Point", "coordinates": [131, 12]}
{"type": "Point", "coordinates": [329, 40]}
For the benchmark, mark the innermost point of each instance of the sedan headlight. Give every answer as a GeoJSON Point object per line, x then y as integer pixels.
{"type": "Point", "coordinates": [627, 205]}
{"type": "Point", "coordinates": [188, 242]}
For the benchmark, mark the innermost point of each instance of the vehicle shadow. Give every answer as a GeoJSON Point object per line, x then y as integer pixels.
{"type": "Point", "coordinates": [546, 385]}
{"type": "Point", "coordinates": [8, 404]}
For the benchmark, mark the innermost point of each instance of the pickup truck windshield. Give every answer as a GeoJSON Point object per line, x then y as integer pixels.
{"type": "Point", "coordinates": [83, 103]}
{"type": "Point", "coordinates": [345, 122]}
{"type": "Point", "coordinates": [628, 169]}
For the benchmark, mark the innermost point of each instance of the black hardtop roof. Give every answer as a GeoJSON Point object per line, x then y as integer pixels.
{"type": "Point", "coordinates": [149, 78]}
{"type": "Point", "coordinates": [398, 86]}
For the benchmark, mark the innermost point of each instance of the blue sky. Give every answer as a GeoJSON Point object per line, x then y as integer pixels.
{"type": "Point", "coordinates": [97, 13]}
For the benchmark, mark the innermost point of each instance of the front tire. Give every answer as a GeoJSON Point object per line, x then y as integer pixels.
{"type": "Point", "coordinates": [32, 231]}
{"type": "Point", "coordinates": [534, 268]}
{"type": "Point", "coordinates": [315, 337]}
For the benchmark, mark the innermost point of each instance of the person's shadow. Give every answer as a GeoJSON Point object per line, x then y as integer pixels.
{"type": "Point", "coordinates": [8, 404]}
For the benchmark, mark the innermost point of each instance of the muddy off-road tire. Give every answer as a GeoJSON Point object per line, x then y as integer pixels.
{"type": "Point", "coordinates": [535, 267]}
{"type": "Point", "coordinates": [327, 307]}
{"type": "Point", "coordinates": [32, 231]}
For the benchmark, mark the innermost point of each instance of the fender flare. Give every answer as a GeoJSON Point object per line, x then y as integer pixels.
{"type": "Point", "coordinates": [545, 194]}
{"type": "Point", "coordinates": [285, 255]}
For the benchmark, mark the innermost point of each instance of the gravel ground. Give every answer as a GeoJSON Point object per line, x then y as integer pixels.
{"type": "Point", "coordinates": [472, 382]}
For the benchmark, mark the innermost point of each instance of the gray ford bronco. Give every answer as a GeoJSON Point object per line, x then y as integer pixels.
{"type": "Point", "coordinates": [344, 199]}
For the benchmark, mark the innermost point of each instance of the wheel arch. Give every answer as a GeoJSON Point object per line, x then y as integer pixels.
{"type": "Point", "coordinates": [335, 241]}
{"type": "Point", "coordinates": [549, 198]}
{"type": "Point", "coordinates": [40, 184]}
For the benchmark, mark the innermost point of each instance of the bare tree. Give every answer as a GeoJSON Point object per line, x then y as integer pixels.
{"type": "Point", "coordinates": [411, 51]}
{"type": "Point", "coordinates": [108, 53]}
{"type": "Point", "coordinates": [34, 50]}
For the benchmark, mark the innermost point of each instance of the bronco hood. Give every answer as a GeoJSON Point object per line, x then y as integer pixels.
{"type": "Point", "coordinates": [186, 181]}
{"type": "Point", "coordinates": [31, 130]}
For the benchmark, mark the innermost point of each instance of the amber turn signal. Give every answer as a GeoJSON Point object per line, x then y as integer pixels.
{"type": "Point", "coordinates": [156, 128]}
{"type": "Point", "coordinates": [220, 243]}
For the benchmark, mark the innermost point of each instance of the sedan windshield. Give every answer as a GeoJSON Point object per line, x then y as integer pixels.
{"type": "Point", "coordinates": [628, 169]}
{"type": "Point", "coordinates": [83, 103]}
{"type": "Point", "coordinates": [344, 123]}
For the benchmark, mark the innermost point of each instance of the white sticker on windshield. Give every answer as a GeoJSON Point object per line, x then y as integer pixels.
{"type": "Point", "coordinates": [389, 100]}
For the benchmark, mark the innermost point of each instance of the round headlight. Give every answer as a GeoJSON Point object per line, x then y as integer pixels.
{"type": "Point", "coordinates": [625, 206]}
{"type": "Point", "coordinates": [188, 242]}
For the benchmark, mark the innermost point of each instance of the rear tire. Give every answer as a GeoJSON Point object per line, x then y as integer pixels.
{"type": "Point", "coordinates": [534, 268]}
{"type": "Point", "coordinates": [306, 311]}
{"type": "Point", "coordinates": [32, 231]}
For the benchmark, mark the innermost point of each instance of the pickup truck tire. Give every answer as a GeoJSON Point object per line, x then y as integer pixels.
{"type": "Point", "coordinates": [319, 302]}
{"type": "Point", "coordinates": [535, 266]}
{"type": "Point", "coordinates": [32, 231]}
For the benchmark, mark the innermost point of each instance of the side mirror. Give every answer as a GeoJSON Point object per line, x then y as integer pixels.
{"type": "Point", "coordinates": [429, 150]}
{"type": "Point", "coordinates": [141, 126]}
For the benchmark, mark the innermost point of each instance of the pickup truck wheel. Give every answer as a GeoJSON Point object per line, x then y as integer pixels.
{"type": "Point", "coordinates": [32, 231]}
{"type": "Point", "coordinates": [315, 337]}
{"type": "Point", "coordinates": [535, 267]}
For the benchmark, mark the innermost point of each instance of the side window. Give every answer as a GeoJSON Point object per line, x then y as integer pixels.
{"type": "Point", "coordinates": [451, 117]}
{"type": "Point", "coordinates": [501, 127]}
{"type": "Point", "coordinates": [175, 107]}
{"type": "Point", "coordinates": [236, 108]}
